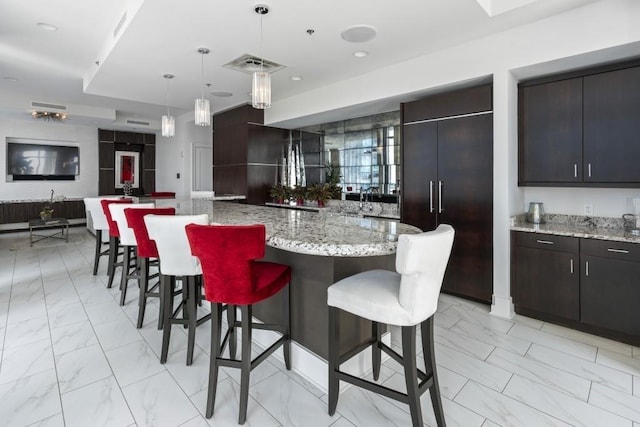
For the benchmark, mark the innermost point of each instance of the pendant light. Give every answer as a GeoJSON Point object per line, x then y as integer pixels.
{"type": "Point", "coordinates": [203, 114]}
{"type": "Point", "coordinates": [261, 91]}
{"type": "Point", "coordinates": [168, 121]}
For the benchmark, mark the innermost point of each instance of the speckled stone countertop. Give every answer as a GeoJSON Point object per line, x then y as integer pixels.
{"type": "Point", "coordinates": [304, 231]}
{"type": "Point", "coordinates": [577, 226]}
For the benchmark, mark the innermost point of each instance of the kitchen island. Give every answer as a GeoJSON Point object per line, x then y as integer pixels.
{"type": "Point", "coordinates": [321, 249]}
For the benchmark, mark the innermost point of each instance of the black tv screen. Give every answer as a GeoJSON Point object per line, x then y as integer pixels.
{"type": "Point", "coordinates": [39, 161]}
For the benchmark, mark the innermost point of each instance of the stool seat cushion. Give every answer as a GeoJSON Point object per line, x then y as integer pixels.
{"type": "Point", "coordinates": [371, 295]}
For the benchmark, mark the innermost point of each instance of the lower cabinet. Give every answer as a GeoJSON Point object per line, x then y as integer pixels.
{"type": "Point", "coordinates": [591, 285]}
{"type": "Point", "coordinates": [610, 285]}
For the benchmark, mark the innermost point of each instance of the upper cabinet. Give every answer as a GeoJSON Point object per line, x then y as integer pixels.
{"type": "Point", "coordinates": [581, 130]}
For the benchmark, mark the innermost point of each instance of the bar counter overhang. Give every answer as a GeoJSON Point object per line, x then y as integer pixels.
{"type": "Point", "coordinates": [321, 249]}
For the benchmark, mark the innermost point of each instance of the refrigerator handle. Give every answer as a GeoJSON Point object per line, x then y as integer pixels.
{"type": "Point", "coordinates": [440, 208]}
{"type": "Point", "coordinates": [430, 196]}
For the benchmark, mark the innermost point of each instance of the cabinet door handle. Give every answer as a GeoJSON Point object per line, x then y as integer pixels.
{"type": "Point", "coordinates": [545, 242]}
{"type": "Point", "coordinates": [575, 170]}
{"type": "Point", "coordinates": [430, 196]}
{"type": "Point", "coordinates": [618, 251]}
{"type": "Point", "coordinates": [589, 169]}
{"type": "Point", "coordinates": [571, 265]}
{"type": "Point", "coordinates": [440, 208]}
{"type": "Point", "coordinates": [586, 268]}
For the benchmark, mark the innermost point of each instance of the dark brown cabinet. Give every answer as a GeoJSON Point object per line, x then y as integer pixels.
{"type": "Point", "coordinates": [588, 284]}
{"type": "Point", "coordinates": [550, 132]}
{"type": "Point", "coordinates": [447, 178]}
{"type": "Point", "coordinates": [546, 276]}
{"type": "Point", "coordinates": [610, 285]}
{"type": "Point", "coordinates": [581, 129]}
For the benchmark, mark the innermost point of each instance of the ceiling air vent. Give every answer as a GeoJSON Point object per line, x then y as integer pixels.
{"type": "Point", "coordinates": [37, 104]}
{"type": "Point", "coordinates": [250, 64]}
{"type": "Point", "coordinates": [138, 122]}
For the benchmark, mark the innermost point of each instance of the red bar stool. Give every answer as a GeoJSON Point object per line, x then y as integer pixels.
{"type": "Point", "coordinates": [147, 254]}
{"type": "Point", "coordinates": [163, 194]}
{"type": "Point", "coordinates": [406, 299]}
{"type": "Point", "coordinates": [130, 267]}
{"type": "Point", "coordinates": [114, 238]}
{"type": "Point", "coordinates": [232, 276]}
{"type": "Point", "coordinates": [177, 263]}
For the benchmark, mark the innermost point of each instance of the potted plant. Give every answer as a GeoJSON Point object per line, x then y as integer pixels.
{"type": "Point", "coordinates": [320, 193]}
{"type": "Point", "coordinates": [332, 178]}
{"type": "Point", "coordinates": [299, 193]}
{"type": "Point", "coordinates": [47, 210]}
{"type": "Point", "coordinates": [279, 193]}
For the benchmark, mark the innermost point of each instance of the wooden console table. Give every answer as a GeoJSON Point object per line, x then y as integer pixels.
{"type": "Point", "coordinates": [37, 224]}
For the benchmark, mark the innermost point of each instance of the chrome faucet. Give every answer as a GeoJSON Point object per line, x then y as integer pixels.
{"type": "Point", "coordinates": [361, 194]}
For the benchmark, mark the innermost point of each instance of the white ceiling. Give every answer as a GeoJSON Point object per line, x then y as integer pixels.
{"type": "Point", "coordinates": [105, 79]}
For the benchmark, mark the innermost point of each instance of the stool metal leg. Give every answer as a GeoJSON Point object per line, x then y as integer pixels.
{"type": "Point", "coordinates": [376, 350]}
{"type": "Point", "coordinates": [144, 288]}
{"type": "Point", "coordinates": [286, 324]}
{"type": "Point", "coordinates": [426, 331]}
{"type": "Point", "coordinates": [410, 373]}
{"type": "Point", "coordinates": [168, 285]}
{"type": "Point", "coordinates": [231, 321]}
{"type": "Point", "coordinates": [113, 255]}
{"type": "Point", "coordinates": [245, 364]}
{"type": "Point", "coordinates": [334, 356]}
{"type": "Point", "coordinates": [192, 309]}
{"type": "Point", "coordinates": [124, 279]}
{"type": "Point", "coordinates": [96, 258]}
{"type": "Point", "coordinates": [216, 320]}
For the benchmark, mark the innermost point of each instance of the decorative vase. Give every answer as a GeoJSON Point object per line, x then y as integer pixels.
{"type": "Point", "coordinates": [45, 216]}
{"type": "Point", "coordinates": [321, 203]}
{"type": "Point", "coordinates": [300, 202]}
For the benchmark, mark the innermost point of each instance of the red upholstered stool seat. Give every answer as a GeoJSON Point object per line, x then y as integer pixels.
{"type": "Point", "coordinates": [232, 275]}
{"type": "Point", "coordinates": [114, 238]}
{"type": "Point", "coordinates": [147, 252]}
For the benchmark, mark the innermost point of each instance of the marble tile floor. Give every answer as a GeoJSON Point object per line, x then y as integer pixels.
{"type": "Point", "coordinates": [71, 356]}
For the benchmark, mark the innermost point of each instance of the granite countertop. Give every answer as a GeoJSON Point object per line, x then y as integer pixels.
{"type": "Point", "coordinates": [577, 226]}
{"type": "Point", "coordinates": [307, 232]}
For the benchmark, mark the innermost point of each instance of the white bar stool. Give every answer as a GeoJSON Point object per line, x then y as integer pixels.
{"type": "Point", "coordinates": [176, 262]}
{"type": "Point", "coordinates": [128, 243]}
{"type": "Point", "coordinates": [406, 299]}
{"type": "Point", "coordinates": [100, 225]}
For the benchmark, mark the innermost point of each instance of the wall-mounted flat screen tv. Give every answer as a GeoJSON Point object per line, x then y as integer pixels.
{"type": "Point", "coordinates": [42, 162]}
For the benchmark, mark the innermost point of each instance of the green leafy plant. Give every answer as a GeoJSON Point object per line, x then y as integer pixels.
{"type": "Point", "coordinates": [279, 193]}
{"type": "Point", "coordinates": [332, 177]}
{"type": "Point", "coordinates": [299, 193]}
{"type": "Point", "coordinates": [47, 210]}
{"type": "Point", "coordinates": [321, 193]}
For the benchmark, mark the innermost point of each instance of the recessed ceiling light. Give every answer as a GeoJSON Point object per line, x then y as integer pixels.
{"type": "Point", "coordinates": [359, 34]}
{"type": "Point", "coordinates": [11, 79]}
{"type": "Point", "coordinates": [46, 26]}
{"type": "Point", "coordinates": [221, 93]}
{"type": "Point", "coordinates": [360, 53]}
{"type": "Point", "coordinates": [296, 78]}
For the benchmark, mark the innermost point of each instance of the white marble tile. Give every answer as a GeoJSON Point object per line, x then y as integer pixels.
{"type": "Point", "coordinates": [594, 340]}
{"type": "Point", "coordinates": [26, 331]}
{"type": "Point", "coordinates": [72, 337]}
{"type": "Point", "coordinates": [177, 342]}
{"type": "Point", "coordinates": [61, 296]}
{"type": "Point", "coordinates": [584, 351]}
{"type": "Point", "coordinates": [489, 423]}
{"type": "Point", "coordinates": [192, 379]}
{"type": "Point", "coordinates": [63, 315]}
{"type": "Point", "coordinates": [614, 360]}
{"type": "Point", "coordinates": [26, 360]}
{"type": "Point", "coordinates": [617, 402]}
{"type": "Point", "coordinates": [225, 412]}
{"type": "Point", "coordinates": [29, 399]}
{"type": "Point", "coordinates": [489, 336]}
{"type": "Point", "coordinates": [544, 374]}
{"type": "Point", "coordinates": [133, 362]}
{"type": "Point", "coordinates": [470, 367]}
{"type": "Point", "coordinates": [81, 367]}
{"type": "Point", "coordinates": [636, 386]}
{"type": "Point", "coordinates": [454, 414]}
{"type": "Point", "coordinates": [20, 311]}
{"type": "Point", "coordinates": [342, 422]}
{"type": "Point", "coordinates": [559, 405]}
{"type": "Point", "coordinates": [583, 368]}
{"type": "Point", "coordinates": [159, 401]}
{"type": "Point", "coordinates": [104, 312]}
{"type": "Point", "coordinates": [98, 404]}
{"type": "Point", "coordinates": [444, 320]}
{"type": "Point", "coordinates": [462, 343]}
{"type": "Point", "coordinates": [53, 421]}
{"type": "Point", "coordinates": [636, 352]}
{"type": "Point", "coordinates": [484, 319]}
{"type": "Point", "coordinates": [502, 409]}
{"type": "Point", "coordinates": [198, 421]}
{"type": "Point", "coordinates": [116, 334]}
{"type": "Point", "coordinates": [528, 321]}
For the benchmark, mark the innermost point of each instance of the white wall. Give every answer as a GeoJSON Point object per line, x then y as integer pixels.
{"type": "Point", "coordinates": [610, 202]}
{"type": "Point", "coordinates": [173, 155]}
{"type": "Point", "coordinates": [85, 137]}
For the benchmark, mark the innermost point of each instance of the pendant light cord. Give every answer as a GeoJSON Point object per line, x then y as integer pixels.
{"type": "Point", "coordinates": [202, 75]}
{"type": "Point", "coordinates": [168, 113]}
{"type": "Point", "coordinates": [261, 44]}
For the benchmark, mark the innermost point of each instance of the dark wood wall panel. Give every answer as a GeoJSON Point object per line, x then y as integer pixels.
{"type": "Point", "coordinates": [260, 178]}
{"type": "Point", "coordinates": [265, 144]}
{"type": "Point", "coordinates": [230, 144]}
{"type": "Point", "coordinates": [106, 181]}
{"type": "Point", "coordinates": [13, 213]}
{"type": "Point", "coordinates": [230, 179]}
{"type": "Point", "coordinates": [455, 103]}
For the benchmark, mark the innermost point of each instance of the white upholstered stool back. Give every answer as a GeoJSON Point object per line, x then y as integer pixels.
{"type": "Point", "coordinates": [98, 218]}
{"type": "Point", "coordinates": [406, 297]}
{"type": "Point", "coordinates": [173, 247]}
{"type": "Point", "coordinates": [127, 238]}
